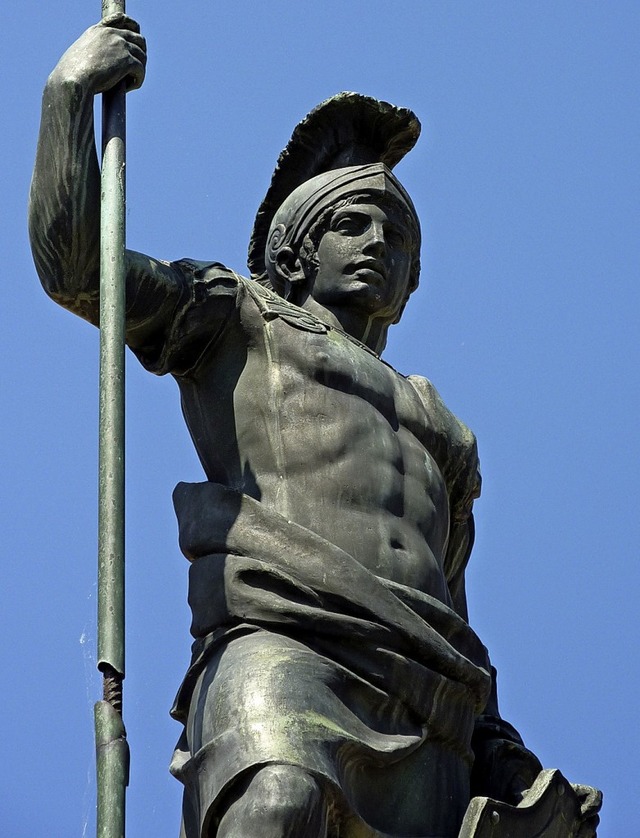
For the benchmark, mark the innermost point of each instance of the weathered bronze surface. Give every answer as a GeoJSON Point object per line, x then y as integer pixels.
{"type": "Point", "coordinates": [336, 687]}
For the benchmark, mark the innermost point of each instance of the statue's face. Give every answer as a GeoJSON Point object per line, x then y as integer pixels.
{"type": "Point", "coordinates": [364, 260]}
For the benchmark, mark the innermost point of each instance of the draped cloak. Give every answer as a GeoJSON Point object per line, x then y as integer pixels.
{"type": "Point", "coordinates": [305, 657]}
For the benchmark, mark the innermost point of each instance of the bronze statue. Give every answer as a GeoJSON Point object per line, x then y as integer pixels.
{"type": "Point", "coordinates": [336, 687]}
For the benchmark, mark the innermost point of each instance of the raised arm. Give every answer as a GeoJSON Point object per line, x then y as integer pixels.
{"type": "Point", "coordinates": [64, 205]}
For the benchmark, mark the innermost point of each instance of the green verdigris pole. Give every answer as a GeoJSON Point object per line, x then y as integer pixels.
{"type": "Point", "coordinates": [112, 750]}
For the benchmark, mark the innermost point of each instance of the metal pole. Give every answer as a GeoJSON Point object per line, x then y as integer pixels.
{"type": "Point", "coordinates": [112, 751]}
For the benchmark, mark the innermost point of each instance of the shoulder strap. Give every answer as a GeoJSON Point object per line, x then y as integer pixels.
{"type": "Point", "coordinates": [272, 306]}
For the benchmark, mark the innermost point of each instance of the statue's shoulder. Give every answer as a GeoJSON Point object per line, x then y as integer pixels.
{"type": "Point", "coordinates": [274, 307]}
{"type": "Point", "coordinates": [207, 308]}
{"type": "Point", "coordinates": [213, 279]}
{"type": "Point", "coordinates": [455, 447]}
{"type": "Point", "coordinates": [443, 420]}
{"type": "Point", "coordinates": [206, 277]}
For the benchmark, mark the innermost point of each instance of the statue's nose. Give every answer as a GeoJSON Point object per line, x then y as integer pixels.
{"type": "Point", "coordinates": [376, 245]}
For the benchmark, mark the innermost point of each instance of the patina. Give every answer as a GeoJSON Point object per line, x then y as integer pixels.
{"type": "Point", "coordinates": [336, 687]}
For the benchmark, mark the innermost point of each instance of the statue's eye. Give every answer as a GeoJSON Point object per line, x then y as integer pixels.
{"type": "Point", "coordinates": [395, 237]}
{"type": "Point", "coordinates": [349, 225]}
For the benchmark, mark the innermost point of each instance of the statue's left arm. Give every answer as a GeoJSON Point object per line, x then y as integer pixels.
{"type": "Point", "coordinates": [503, 769]}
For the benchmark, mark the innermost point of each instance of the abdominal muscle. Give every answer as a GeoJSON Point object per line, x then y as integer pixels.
{"type": "Point", "coordinates": [373, 491]}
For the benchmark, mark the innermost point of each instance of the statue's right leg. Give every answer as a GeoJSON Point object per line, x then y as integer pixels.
{"type": "Point", "coordinates": [277, 801]}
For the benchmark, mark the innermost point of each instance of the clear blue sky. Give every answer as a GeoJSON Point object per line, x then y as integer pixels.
{"type": "Point", "coordinates": [526, 180]}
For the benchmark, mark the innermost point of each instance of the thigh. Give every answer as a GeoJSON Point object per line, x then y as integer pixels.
{"type": "Point", "coordinates": [277, 801]}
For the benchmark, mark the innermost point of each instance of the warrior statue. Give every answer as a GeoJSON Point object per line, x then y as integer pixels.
{"type": "Point", "coordinates": [335, 688]}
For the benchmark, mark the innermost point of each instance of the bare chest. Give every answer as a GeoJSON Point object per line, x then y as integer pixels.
{"type": "Point", "coordinates": [328, 435]}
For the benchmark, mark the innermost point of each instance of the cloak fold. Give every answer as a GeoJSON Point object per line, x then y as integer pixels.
{"type": "Point", "coordinates": [303, 656]}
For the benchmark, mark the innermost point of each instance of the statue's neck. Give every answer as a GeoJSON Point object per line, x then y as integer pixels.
{"type": "Point", "coordinates": [371, 331]}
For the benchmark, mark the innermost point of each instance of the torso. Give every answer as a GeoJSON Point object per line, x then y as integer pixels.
{"type": "Point", "coordinates": [325, 433]}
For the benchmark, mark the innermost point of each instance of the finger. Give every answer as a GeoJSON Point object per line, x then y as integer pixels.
{"type": "Point", "coordinates": [135, 77]}
{"type": "Point", "coordinates": [590, 798]}
{"type": "Point", "coordinates": [589, 828]}
{"type": "Point", "coordinates": [138, 53]}
{"type": "Point", "coordinates": [120, 21]}
{"type": "Point", "coordinates": [133, 39]}
{"type": "Point", "coordinates": [139, 40]}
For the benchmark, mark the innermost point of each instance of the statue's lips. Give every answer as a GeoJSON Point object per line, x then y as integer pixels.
{"type": "Point", "coordinates": [370, 270]}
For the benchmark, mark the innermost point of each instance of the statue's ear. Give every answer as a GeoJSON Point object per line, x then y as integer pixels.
{"type": "Point", "coordinates": [289, 268]}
